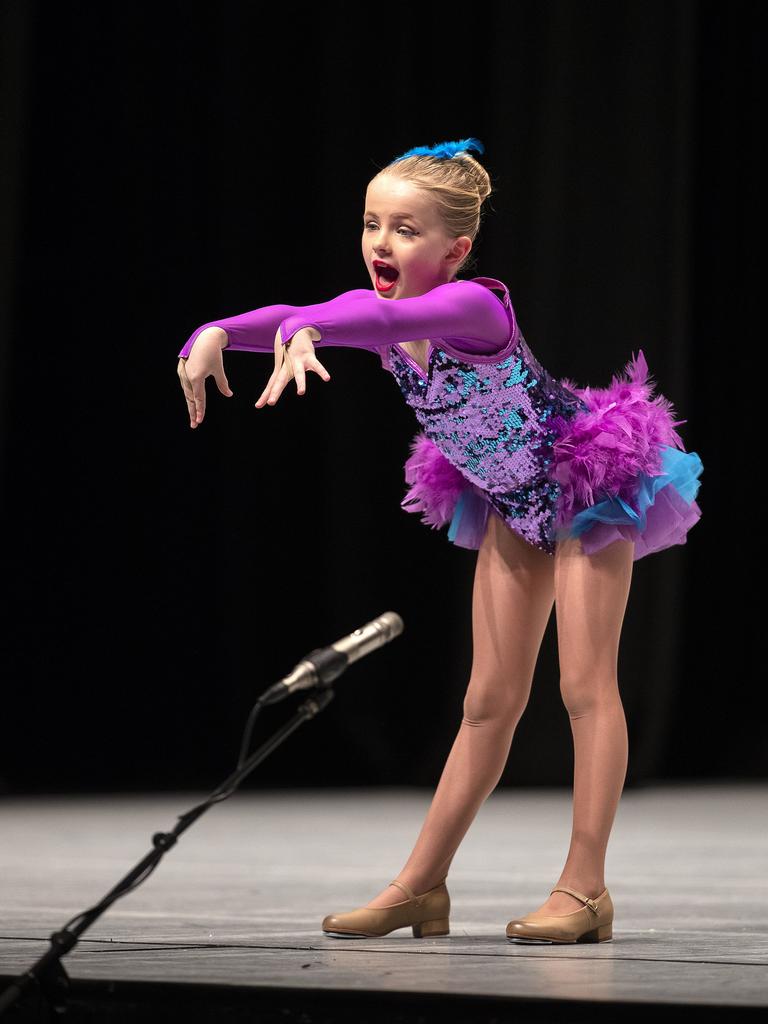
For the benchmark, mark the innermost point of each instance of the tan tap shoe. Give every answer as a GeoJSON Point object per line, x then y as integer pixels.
{"type": "Point", "coordinates": [427, 915]}
{"type": "Point", "coordinates": [592, 923]}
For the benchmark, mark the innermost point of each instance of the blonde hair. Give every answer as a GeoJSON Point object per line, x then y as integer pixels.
{"type": "Point", "coordinates": [458, 184]}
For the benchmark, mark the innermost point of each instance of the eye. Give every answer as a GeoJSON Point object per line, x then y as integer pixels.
{"type": "Point", "coordinates": [408, 232]}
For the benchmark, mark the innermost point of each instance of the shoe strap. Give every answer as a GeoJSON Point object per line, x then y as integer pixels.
{"type": "Point", "coordinates": [592, 904]}
{"type": "Point", "coordinates": [406, 889]}
{"type": "Point", "coordinates": [409, 892]}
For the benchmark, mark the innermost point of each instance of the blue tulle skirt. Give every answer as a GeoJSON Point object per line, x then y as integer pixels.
{"type": "Point", "coordinates": [663, 510]}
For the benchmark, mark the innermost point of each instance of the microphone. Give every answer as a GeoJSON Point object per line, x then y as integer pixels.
{"type": "Point", "coordinates": [324, 664]}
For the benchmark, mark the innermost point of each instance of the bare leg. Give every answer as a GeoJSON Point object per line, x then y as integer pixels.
{"type": "Point", "coordinates": [591, 594]}
{"type": "Point", "coordinates": [512, 601]}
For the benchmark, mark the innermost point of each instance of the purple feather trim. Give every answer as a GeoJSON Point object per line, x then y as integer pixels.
{"type": "Point", "coordinates": [600, 452]}
{"type": "Point", "coordinates": [436, 483]}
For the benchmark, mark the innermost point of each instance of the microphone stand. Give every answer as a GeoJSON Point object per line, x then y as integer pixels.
{"type": "Point", "coordinates": [53, 983]}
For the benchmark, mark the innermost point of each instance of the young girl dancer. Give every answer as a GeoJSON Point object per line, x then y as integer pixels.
{"type": "Point", "coordinates": [559, 488]}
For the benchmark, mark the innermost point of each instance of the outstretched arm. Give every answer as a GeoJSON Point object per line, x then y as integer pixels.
{"type": "Point", "coordinates": [465, 313]}
{"type": "Point", "coordinates": [255, 330]}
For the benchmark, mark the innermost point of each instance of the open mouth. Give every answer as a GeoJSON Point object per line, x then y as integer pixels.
{"type": "Point", "coordinates": [386, 277]}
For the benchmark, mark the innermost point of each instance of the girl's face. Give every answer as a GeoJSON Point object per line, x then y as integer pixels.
{"type": "Point", "coordinates": [401, 227]}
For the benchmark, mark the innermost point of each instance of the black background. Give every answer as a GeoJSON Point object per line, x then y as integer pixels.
{"type": "Point", "coordinates": [163, 169]}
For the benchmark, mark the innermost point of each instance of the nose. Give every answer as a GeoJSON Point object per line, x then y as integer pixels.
{"type": "Point", "coordinates": [380, 243]}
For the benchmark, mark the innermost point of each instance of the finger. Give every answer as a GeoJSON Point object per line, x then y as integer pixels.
{"type": "Point", "coordinates": [190, 409]}
{"type": "Point", "coordinates": [301, 378]}
{"type": "Point", "coordinates": [318, 367]}
{"type": "Point", "coordinates": [277, 388]}
{"type": "Point", "coordinates": [223, 384]}
{"type": "Point", "coordinates": [268, 389]}
{"type": "Point", "coordinates": [198, 394]}
{"type": "Point", "coordinates": [187, 389]}
{"type": "Point", "coordinates": [265, 393]}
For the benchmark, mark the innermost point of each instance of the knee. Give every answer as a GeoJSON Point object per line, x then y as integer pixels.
{"type": "Point", "coordinates": [583, 693]}
{"type": "Point", "coordinates": [494, 700]}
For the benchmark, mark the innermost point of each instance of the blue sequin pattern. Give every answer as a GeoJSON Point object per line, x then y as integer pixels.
{"type": "Point", "coordinates": [492, 421]}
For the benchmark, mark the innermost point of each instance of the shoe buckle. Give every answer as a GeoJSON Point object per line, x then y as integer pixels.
{"type": "Point", "coordinates": [592, 906]}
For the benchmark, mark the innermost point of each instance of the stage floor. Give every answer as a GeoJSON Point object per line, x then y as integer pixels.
{"type": "Point", "coordinates": [240, 898]}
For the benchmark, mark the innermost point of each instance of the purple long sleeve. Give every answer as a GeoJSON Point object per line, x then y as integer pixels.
{"type": "Point", "coordinates": [464, 315]}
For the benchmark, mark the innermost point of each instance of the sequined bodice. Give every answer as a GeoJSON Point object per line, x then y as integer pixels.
{"type": "Point", "coordinates": [491, 420]}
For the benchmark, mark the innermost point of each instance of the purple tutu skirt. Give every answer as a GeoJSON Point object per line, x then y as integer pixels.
{"type": "Point", "coordinates": [621, 468]}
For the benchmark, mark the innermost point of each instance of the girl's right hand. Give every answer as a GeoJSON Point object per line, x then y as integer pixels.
{"type": "Point", "coordinates": [293, 364]}
{"type": "Point", "coordinates": [205, 360]}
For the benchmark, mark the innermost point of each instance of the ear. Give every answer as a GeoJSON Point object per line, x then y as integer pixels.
{"type": "Point", "coordinates": [459, 249]}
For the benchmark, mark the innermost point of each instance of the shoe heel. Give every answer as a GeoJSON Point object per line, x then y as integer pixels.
{"type": "Point", "coordinates": [437, 927]}
{"type": "Point", "coordinates": [601, 934]}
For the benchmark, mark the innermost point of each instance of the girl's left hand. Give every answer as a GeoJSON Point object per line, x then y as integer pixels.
{"type": "Point", "coordinates": [293, 364]}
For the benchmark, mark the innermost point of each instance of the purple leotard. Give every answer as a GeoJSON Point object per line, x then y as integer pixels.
{"type": "Point", "coordinates": [499, 433]}
{"type": "Point", "coordinates": [464, 315]}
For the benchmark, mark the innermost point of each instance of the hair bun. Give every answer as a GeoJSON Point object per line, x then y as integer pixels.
{"type": "Point", "coordinates": [444, 150]}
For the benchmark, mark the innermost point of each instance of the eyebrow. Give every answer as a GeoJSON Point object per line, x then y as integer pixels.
{"type": "Point", "coordinates": [369, 213]}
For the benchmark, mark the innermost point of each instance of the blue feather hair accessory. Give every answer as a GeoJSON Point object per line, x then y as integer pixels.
{"type": "Point", "coordinates": [444, 149]}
